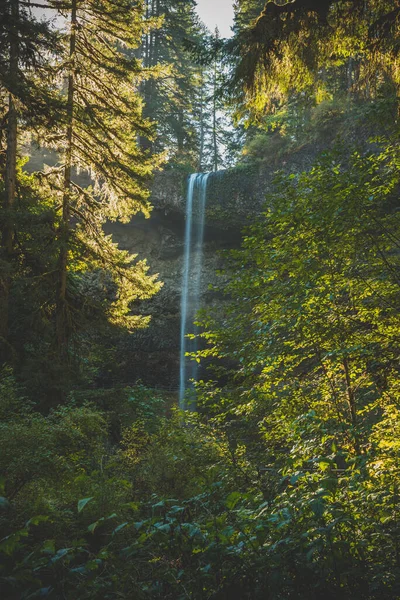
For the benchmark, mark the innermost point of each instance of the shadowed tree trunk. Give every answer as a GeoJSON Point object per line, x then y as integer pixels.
{"type": "Point", "coordinates": [9, 182]}
{"type": "Point", "coordinates": [202, 132]}
{"type": "Point", "coordinates": [214, 109]}
{"type": "Point", "coordinates": [62, 317]}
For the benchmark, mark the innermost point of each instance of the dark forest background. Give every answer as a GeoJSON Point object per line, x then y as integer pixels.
{"type": "Point", "coordinates": [284, 484]}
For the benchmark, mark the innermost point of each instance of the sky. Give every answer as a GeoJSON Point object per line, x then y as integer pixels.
{"type": "Point", "coordinates": [212, 12]}
{"type": "Point", "coordinates": [217, 13]}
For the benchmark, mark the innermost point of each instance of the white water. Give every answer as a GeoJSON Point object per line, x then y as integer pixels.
{"type": "Point", "coordinates": [192, 267]}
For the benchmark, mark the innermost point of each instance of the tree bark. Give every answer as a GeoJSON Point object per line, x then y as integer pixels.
{"type": "Point", "coordinates": [215, 108]}
{"type": "Point", "coordinates": [10, 182]}
{"type": "Point", "coordinates": [201, 145]}
{"type": "Point", "coordinates": [180, 133]}
{"type": "Point", "coordinates": [146, 86]}
{"type": "Point", "coordinates": [351, 400]}
{"type": "Point", "coordinates": [62, 328]}
{"type": "Point", "coordinates": [214, 129]}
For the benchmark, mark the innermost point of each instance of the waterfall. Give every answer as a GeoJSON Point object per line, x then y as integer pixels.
{"type": "Point", "coordinates": [191, 281]}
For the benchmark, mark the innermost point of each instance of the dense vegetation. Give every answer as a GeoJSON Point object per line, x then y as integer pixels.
{"type": "Point", "coordinates": [285, 483]}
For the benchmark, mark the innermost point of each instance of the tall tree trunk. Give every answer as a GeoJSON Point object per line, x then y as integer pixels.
{"type": "Point", "coordinates": [350, 71]}
{"type": "Point", "coordinates": [180, 132]}
{"type": "Point", "coordinates": [215, 107]}
{"type": "Point", "coordinates": [201, 145]}
{"type": "Point", "coordinates": [214, 127]}
{"type": "Point", "coordinates": [351, 400]}
{"type": "Point", "coordinates": [10, 182]}
{"type": "Point", "coordinates": [146, 86]}
{"type": "Point", "coordinates": [62, 305]}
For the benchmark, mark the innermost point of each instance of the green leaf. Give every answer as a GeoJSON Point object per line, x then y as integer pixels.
{"type": "Point", "coordinates": [11, 542]}
{"type": "Point", "coordinates": [82, 503]}
{"type": "Point", "coordinates": [37, 520]}
{"type": "Point", "coordinates": [175, 510]}
{"type": "Point", "coordinates": [80, 570]}
{"type": "Point", "coordinates": [233, 499]}
{"type": "Point", "coordinates": [120, 527]}
{"type": "Point", "coordinates": [325, 464]}
{"type": "Point", "coordinates": [317, 506]}
{"type": "Point", "coordinates": [206, 569]}
{"type": "Point", "coordinates": [93, 526]}
{"type": "Point", "coordinates": [4, 503]}
{"type": "Point", "coordinates": [294, 479]}
{"type": "Point", "coordinates": [60, 554]}
{"type": "Point", "coordinates": [49, 547]}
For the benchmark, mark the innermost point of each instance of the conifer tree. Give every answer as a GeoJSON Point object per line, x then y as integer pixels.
{"type": "Point", "coordinates": [99, 134]}
{"type": "Point", "coordinates": [26, 97]}
{"type": "Point", "coordinates": [10, 166]}
{"type": "Point", "coordinates": [87, 107]}
{"type": "Point", "coordinates": [170, 98]}
{"type": "Point", "coordinates": [216, 134]}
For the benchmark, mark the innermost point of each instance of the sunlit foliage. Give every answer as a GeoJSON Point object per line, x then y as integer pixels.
{"type": "Point", "coordinates": [298, 46]}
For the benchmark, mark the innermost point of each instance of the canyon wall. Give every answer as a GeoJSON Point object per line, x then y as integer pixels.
{"type": "Point", "coordinates": [234, 198]}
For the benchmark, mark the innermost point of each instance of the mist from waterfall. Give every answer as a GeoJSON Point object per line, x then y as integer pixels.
{"type": "Point", "coordinates": [191, 281]}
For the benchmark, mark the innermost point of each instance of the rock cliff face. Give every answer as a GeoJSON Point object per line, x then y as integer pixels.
{"type": "Point", "coordinates": [234, 197]}
{"type": "Point", "coordinates": [152, 355]}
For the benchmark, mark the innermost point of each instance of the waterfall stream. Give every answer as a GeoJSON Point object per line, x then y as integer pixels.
{"type": "Point", "coordinates": [191, 281]}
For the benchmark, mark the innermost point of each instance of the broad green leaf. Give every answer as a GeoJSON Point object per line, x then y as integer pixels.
{"type": "Point", "coordinates": [82, 503]}
{"type": "Point", "coordinates": [233, 499]}
{"type": "Point", "coordinates": [120, 527]}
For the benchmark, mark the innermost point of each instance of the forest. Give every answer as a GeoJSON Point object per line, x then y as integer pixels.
{"type": "Point", "coordinates": [199, 301]}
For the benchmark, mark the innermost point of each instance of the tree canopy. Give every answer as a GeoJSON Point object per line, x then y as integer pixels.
{"type": "Point", "coordinates": [293, 46]}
